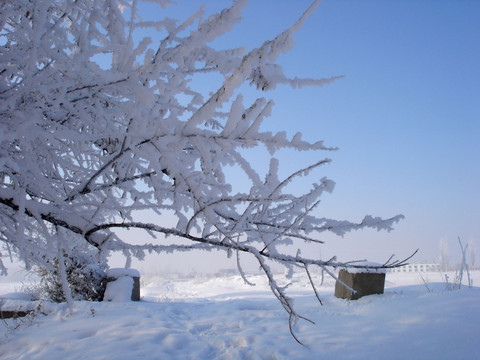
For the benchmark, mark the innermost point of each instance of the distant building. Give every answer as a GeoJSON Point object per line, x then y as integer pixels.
{"type": "Point", "coordinates": [423, 267]}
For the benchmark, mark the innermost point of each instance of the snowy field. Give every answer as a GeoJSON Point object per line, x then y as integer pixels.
{"type": "Point", "coordinates": [218, 317]}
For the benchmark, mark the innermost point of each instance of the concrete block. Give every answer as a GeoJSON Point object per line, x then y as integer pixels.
{"type": "Point", "coordinates": [115, 274]}
{"type": "Point", "coordinates": [365, 283]}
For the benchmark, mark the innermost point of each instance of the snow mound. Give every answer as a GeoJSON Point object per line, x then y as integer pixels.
{"type": "Point", "coordinates": [119, 290]}
{"type": "Point", "coordinates": [371, 268]}
{"type": "Point", "coordinates": [18, 296]}
{"type": "Point", "coordinates": [119, 272]}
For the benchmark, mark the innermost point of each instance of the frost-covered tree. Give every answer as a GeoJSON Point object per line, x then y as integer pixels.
{"type": "Point", "coordinates": [444, 255]}
{"type": "Point", "coordinates": [99, 124]}
{"type": "Point", "coordinates": [472, 251]}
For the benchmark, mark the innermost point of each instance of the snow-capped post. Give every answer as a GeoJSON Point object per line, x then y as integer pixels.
{"type": "Point", "coordinates": [100, 124]}
{"type": "Point", "coordinates": [122, 285]}
{"type": "Point", "coordinates": [354, 283]}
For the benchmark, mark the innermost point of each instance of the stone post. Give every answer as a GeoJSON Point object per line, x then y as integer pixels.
{"type": "Point", "coordinates": [363, 281]}
{"type": "Point", "coordinates": [115, 276]}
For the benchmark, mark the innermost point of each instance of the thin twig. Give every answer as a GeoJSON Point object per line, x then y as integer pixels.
{"type": "Point", "coordinates": [312, 284]}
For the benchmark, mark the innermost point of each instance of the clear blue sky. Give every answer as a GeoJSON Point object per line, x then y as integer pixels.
{"type": "Point", "coordinates": [406, 117]}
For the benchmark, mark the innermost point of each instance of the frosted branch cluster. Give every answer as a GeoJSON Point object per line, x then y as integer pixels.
{"type": "Point", "coordinates": [98, 125]}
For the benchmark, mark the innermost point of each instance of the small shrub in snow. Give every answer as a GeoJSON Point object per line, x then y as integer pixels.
{"type": "Point", "coordinates": [457, 281]}
{"type": "Point", "coordinates": [86, 281]}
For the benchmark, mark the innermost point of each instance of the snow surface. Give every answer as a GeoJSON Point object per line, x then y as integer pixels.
{"type": "Point", "coordinates": [118, 272]}
{"type": "Point", "coordinates": [218, 317]}
{"type": "Point", "coordinates": [366, 270]}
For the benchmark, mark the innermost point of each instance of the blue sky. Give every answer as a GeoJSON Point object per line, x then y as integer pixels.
{"type": "Point", "coordinates": [406, 117]}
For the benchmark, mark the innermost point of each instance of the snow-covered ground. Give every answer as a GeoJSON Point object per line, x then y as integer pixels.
{"type": "Point", "coordinates": [218, 317]}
